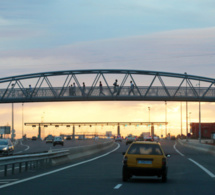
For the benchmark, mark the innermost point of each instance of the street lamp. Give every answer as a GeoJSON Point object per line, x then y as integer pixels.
{"type": "Point", "coordinates": [190, 119]}
{"type": "Point", "coordinates": [181, 115]}
{"type": "Point", "coordinates": [199, 114]}
{"type": "Point", "coordinates": [149, 117]}
{"type": "Point", "coordinates": [22, 120]}
{"type": "Point", "coordinates": [166, 117]}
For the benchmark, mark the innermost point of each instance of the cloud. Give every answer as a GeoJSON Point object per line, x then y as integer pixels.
{"type": "Point", "coordinates": [179, 51]}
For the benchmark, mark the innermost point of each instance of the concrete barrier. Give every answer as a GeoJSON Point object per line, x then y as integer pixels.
{"type": "Point", "coordinates": [198, 146]}
{"type": "Point", "coordinates": [81, 151]}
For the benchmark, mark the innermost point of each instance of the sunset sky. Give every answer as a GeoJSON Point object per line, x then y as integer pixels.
{"type": "Point", "coordinates": [170, 36]}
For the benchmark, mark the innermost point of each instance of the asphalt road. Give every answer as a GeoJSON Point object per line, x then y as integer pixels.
{"type": "Point", "coordinates": [190, 172]}
{"type": "Point", "coordinates": [31, 146]}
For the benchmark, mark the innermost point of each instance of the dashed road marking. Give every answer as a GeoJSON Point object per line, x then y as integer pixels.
{"type": "Point", "coordinates": [117, 186]}
{"type": "Point", "coordinates": [6, 181]}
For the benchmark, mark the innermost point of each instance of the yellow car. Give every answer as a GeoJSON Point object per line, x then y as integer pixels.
{"type": "Point", "coordinates": [144, 159]}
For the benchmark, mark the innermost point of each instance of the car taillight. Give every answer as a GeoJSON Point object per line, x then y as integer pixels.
{"type": "Point", "coordinates": [125, 159]}
{"type": "Point", "coordinates": [163, 162]}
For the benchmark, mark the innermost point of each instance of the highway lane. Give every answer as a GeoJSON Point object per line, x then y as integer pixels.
{"type": "Point", "coordinates": [31, 146]}
{"type": "Point", "coordinates": [103, 176]}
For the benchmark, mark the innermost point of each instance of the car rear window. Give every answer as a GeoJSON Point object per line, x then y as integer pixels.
{"type": "Point", "coordinates": [145, 149]}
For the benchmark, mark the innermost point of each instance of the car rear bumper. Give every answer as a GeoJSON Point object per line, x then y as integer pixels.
{"type": "Point", "coordinates": [145, 171]}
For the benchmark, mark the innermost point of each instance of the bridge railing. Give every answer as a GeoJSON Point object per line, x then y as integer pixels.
{"type": "Point", "coordinates": [141, 92]}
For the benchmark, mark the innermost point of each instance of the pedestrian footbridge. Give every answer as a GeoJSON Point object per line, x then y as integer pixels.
{"type": "Point", "coordinates": [85, 85]}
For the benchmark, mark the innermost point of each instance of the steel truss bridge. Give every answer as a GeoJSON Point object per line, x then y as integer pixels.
{"type": "Point", "coordinates": [45, 88]}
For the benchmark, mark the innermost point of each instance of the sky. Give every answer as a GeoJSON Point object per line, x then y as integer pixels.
{"type": "Point", "coordinates": [170, 36]}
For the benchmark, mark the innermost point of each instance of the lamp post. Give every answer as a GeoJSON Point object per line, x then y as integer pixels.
{"type": "Point", "coordinates": [186, 121]}
{"type": "Point", "coordinates": [190, 119]}
{"type": "Point", "coordinates": [22, 120]}
{"type": "Point", "coordinates": [181, 115]}
{"type": "Point", "coordinates": [199, 115]}
{"type": "Point", "coordinates": [166, 118]}
{"type": "Point", "coordinates": [186, 109]}
{"type": "Point", "coordinates": [12, 134]}
{"type": "Point", "coordinates": [149, 117]}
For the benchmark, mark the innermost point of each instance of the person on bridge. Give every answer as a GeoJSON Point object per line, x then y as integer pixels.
{"type": "Point", "coordinates": [83, 89]}
{"type": "Point", "coordinates": [101, 89]}
{"type": "Point", "coordinates": [115, 87]}
{"type": "Point", "coordinates": [131, 88]}
{"type": "Point", "coordinates": [70, 90]}
{"type": "Point", "coordinates": [74, 90]}
{"type": "Point", "coordinates": [30, 90]}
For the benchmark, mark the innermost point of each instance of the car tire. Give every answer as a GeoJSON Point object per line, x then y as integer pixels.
{"type": "Point", "coordinates": [164, 177]}
{"type": "Point", "coordinates": [125, 175]}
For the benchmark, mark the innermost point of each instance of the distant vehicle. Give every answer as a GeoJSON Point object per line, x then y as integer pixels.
{"type": "Point", "coordinates": [148, 139]}
{"type": "Point", "coordinates": [49, 139]}
{"type": "Point", "coordinates": [96, 137]}
{"type": "Point", "coordinates": [172, 138]}
{"type": "Point", "coordinates": [118, 138]}
{"type": "Point", "coordinates": [6, 147]}
{"type": "Point", "coordinates": [156, 138]}
{"type": "Point", "coordinates": [144, 159]}
{"type": "Point", "coordinates": [130, 139]}
{"type": "Point", "coordinates": [58, 141]}
{"type": "Point", "coordinates": [80, 137]}
{"type": "Point", "coordinates": [140, 138]}
{"type": "Point", "coordinates": [34, 138]}
{"type": "Point", "coordinates": [68, 137]}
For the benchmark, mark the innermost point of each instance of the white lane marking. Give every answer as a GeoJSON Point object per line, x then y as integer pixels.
{"type": "Point", "coordinates": [61, 169]}
{"type": "Point", "coordinates": [25, 145]}
{"type": "Point", "coordinates": [117, 186]}
{"type": "Point", "coordinates": [177, 150]}
{"type": "Point", "coordinates": [201, 167]}
{"type": "Point", "coordinates": [18, 152]}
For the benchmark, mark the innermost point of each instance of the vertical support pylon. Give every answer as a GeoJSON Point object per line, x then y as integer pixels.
{"type": "Point", "coordinates": [152, 130]}
{"type": "Point", "coordinates": [39, 132]}
{"type": "Point", "coordinates": [118, 129]}
{"type": "Point", "coordinates": [73, 133]}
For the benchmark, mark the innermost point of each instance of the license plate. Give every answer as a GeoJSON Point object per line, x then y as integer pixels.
{"type": "Point", "coordinates": [147, 162]}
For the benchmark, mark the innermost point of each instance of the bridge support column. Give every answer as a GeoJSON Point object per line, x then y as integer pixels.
{"type": "Point", "coordinates": [118, 129]}
{"type": "Point", "coordinates": [73, 133]}
{"type": "Point", "coordinates": [39, 132]}
{"type": "Point", "coordinates": [152, 130]}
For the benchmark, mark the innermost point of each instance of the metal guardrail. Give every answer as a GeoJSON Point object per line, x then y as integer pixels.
{"type": "Point", "coordinates": [30, 161]}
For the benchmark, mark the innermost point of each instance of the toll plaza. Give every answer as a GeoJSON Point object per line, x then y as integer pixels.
{"type": "Point", "coordinates": [90, 124]}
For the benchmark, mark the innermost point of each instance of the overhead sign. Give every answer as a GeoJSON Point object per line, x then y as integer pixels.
{"type": "Point", "coordinates": [4, 129]}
